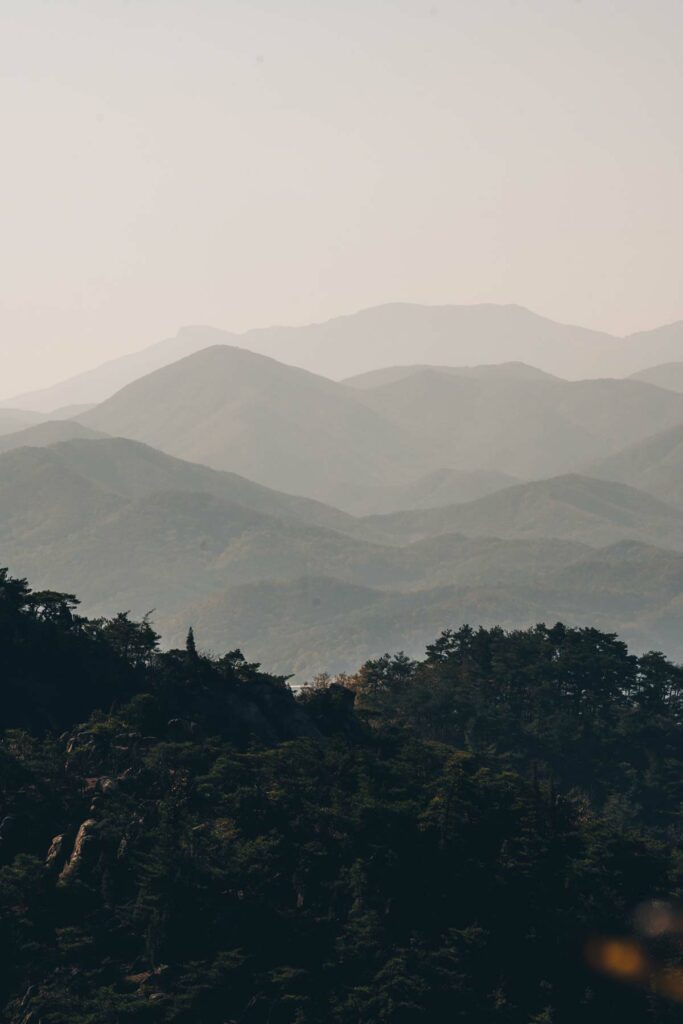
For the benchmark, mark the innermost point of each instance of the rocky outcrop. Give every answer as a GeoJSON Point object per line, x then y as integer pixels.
{"type": "Point", "coordinates": [82, 854]}
{"type": "Point", "coordinates": [56, 855]}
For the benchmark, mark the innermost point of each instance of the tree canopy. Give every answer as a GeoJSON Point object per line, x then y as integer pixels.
{"type": "Point", "coordinates": [489, 834]}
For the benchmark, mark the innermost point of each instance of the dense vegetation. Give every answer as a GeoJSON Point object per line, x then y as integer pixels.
{"type": "Point", "coordinates": [183, 839]}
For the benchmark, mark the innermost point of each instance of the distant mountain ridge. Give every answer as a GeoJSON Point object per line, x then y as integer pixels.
{"type": "Point", "coordinates": [295, 431]}
{"type": "Point", "coordinates": [322, 522]}
{"type": "Point", "coordinates": [387, 335]}
{"type": "Point", "coordinates": [666, 375]}
{"type": "Point", "coordinates": [40, 435]}
{"type": "Point", "coordinates": [129, 527]}
{"type": "Point", "coordinates": [654, 465]}
{"type": "Point", "coordinates": [406, 333]}
{"type": "Point", "coordinates": [307, 621]}
{"type": "Point", "coordinates": [572, 507]}
{"type": "Point", "coordinates": [524, 426]}
{"type": "Point", "coordinates": [94, 386]}
{"type": "Point", "coordinates": [513, 371]}
{"type": "Point", "coordinates": [281, 426]}
{"type": "Point", "coordinates": [12, 419]}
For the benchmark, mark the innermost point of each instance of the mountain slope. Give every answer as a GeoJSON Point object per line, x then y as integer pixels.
{"type": "Point", "coordinates": [493, 371]}
{"type": "Point", "coordinates": [433, 490]}
{"type": "Point", "coordinates": [662, 344]}
{"type": "Point", "coordinates": [82, 506]}
{"type": "Point", "coordinates": [404, 333]}
{"type": "Point", "coordinates": [655, 465]}
{"type": "Point", "coordinates": [43, 434]}
{"type": "Point", "coordinates": [310, 626]}
{"type": "Point", "coordinates": [12, 420]}
{"type": "Point", "coordinates": [284, 427]}
{"type": "Point", "coordinates": [360, 449]}
{"type": "Point", "coordinates": [522, 427]}
{"type": "Point", "coordinates": [666, 375]}
{"type": "Point", "coordinates": [95, 385]}
{"type": "Point", "coordinates": [98, 516]}
{"type": "Point", "coordinates": [594, 512]}
{"type": "Point", "coordinates": [396, 333]}
{"type": "Point", "coordinates": [43, 502]}
{"type": "Point", "coordinates": [108, 504]}
{"type": "Point", "coordinates": [131, 528]}
{"type": "Point", "coordinates": [132, 470]}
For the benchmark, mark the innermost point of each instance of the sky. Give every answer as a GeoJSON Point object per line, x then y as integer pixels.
{"type": "Point", "coordinates": [248, 162]}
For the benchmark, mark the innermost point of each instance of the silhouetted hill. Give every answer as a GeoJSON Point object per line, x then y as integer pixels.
{"type": "Point", "coordinates": [592, 511]}
{"type": "Point", "coordinates": [384, 336]}
{"type": "Point", "coordinates": [281, 426]}
{"type": "Point", "coordinates": [68, 412]}
{"type": "Point", "coordinates": [129, 527]}
{"type": "Point", "coordinates": [666, 375]}
{"type": "Point", "coordinates": [404, 333]}
{"type": "Point", "coordinates": [663, 345]}
{"type": "Point", "coordinates": [296, 432]}
{"type": "Point", "coordinates": [155, 525]}
{"type": "Point", "coordinates": [497, 371]}
{"type": "Point", "coordinates": [93, 386]}
{"type": "Point", "coordinates": [526, 428]}
{"type": "Point", "coordinates": [135, 470]}
{"type": "Point", "coordinates": [311, 626]}
{"type": "Point", "coordinates": [135, 515]}
{"type": "Point", "coordinates": [433, 490]}
{"type": "Point", "coordinates": [43, 501]}
{"type": "Point", "coordinates": [654, 465]}
{"type": "Point", "coordinates": [43, 434]}
{"type": "Point", "coordinates": [169, 547]}
{"type": "Point", "coordinates": [186, 841]}
{"type": "Point", "coordinates": [12, 420]}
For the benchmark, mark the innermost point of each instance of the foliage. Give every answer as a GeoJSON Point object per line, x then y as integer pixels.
{"type": "Point", "coordinates": [183, 840]}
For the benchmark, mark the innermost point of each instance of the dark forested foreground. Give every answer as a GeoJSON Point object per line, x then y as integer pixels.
{"type": "Point", "coordinates": [476, 837]}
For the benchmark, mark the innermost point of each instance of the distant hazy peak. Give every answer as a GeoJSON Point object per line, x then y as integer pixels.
{"type": "Point", "coordinates": [216, 362]}
{"type": "Point", "coordinates": [95, 385]}
{"type": "Point", "coordinates": [43, 435]}
{"type": "Point", "coordinates": [512, 370]}
{"type": "Point", "coordinates": [391, 335]}
{"type": "Point", "coordinates": [665, 375]}
{"type": "Point", "coordinates": [13, 419]}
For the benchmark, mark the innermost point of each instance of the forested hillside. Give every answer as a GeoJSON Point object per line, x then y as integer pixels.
{"type": "Point", "coordinates": [341, 643]}
{"type": "Point", "coordinates": [478, 835]}
{"type": "Point", "coordinates": [308, 588]}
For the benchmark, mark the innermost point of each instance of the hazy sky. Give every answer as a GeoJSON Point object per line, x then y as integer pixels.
{"type": "Point", "coordinates": [244, 162]}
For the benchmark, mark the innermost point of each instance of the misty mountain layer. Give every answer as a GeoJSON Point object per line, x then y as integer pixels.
{"type": "Point", "coordinates": [321, 522]}
{"type": "Point", "coordinates": [295, 431]}
{"type": "Point", "coordinates": [382, 336]}
{"type": "Point", "coordinates": [306, 586]}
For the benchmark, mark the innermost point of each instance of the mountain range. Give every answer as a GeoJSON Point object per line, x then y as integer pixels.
{"type": "Point", "coordinates": [396, 333]}
{"type": "Point", "coordinates": [655, 465]}
{"type": "Point", "coordinates": [666, 375]}
{"type": "Point", "coordinates": [12, 420]}
{"type": "Point", "coordinates": [319, 522]}
{"type": "Point", "coordinates": [303, 585]}
{"type": "Point", "coordinates": [295, 431]}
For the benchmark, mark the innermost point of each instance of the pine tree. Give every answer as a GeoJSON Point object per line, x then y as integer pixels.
{"type": "Point", "coordinates": [190, 645]}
